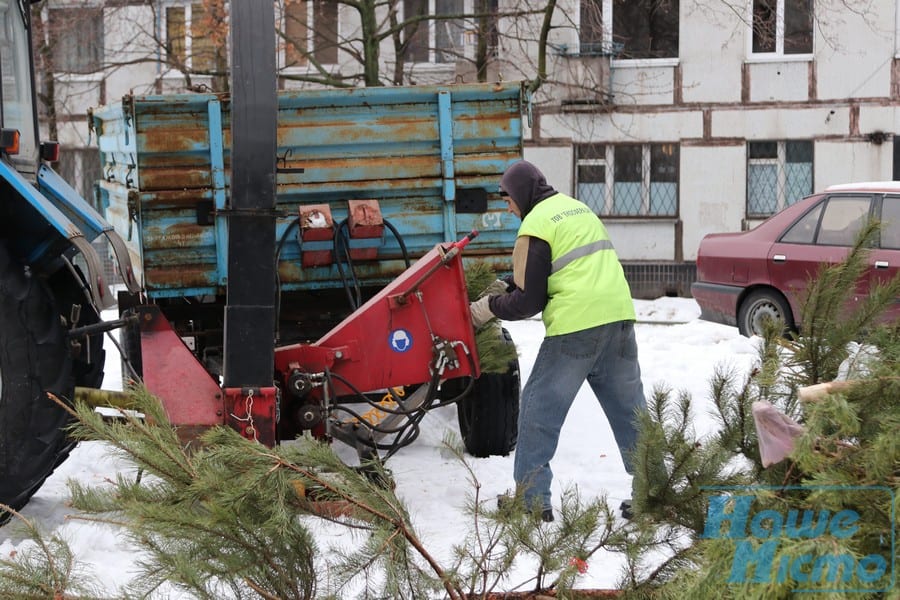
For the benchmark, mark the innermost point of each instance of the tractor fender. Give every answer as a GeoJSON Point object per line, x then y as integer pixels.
{"type": "Point", "coordinates": [88, 220]}
{"type": "Point", "coordinates": [61, 229]}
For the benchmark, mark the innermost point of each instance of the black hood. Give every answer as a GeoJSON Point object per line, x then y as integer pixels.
{"type": "Point", "coordinates": [526, 185]}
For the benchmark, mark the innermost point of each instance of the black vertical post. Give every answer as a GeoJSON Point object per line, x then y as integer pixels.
{"type": "Point", "coordinates": [250, 310]}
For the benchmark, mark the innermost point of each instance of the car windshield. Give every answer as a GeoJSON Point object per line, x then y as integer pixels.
{"type": "Point", "coordinates": [16, 104]}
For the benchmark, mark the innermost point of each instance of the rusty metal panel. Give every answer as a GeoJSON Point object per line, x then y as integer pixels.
{"type": "Point", "coordinates": [433, 171]}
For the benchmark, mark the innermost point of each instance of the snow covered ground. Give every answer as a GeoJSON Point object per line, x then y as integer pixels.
{"type": "Point", "coordinates": [676, 350]}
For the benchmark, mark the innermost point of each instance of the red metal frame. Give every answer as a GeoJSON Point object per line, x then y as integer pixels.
{"type": "Point", "coordinates": [388, 341]}
{"type": "Point", "coordinates": [191, 397]}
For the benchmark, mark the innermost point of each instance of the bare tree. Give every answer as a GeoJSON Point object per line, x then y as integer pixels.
{"type": "Point", "coordinates": [84, 49]}
{"type": "Point", "coordinates": [410, 31]}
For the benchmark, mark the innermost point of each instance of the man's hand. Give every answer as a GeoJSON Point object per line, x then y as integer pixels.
{"type": "Point", "coordinates": [481, 311]}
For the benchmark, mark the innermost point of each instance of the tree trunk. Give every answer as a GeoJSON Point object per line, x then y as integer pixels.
{"type": "Point", "coordinates": [370, 40]}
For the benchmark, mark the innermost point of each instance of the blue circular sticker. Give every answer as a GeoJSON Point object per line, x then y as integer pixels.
{"type": "Point", "coordinates": [400, 340]}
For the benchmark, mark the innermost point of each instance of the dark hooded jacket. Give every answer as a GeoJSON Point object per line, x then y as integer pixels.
{"type": "Point", "coordinates": [526, 186]}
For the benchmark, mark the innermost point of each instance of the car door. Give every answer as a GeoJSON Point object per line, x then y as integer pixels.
{"type": "Point", "coordinates": [885, 258]}
{"type": "Point", "coordinates": [822, 236]}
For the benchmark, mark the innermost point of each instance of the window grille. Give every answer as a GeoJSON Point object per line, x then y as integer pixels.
{"type": "Point", "coordinates": [622, 180]}
{"type": "Point", "coordinates": [778, 174]}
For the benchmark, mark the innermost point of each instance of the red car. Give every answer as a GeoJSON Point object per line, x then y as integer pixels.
{"type": "Point", "coordinates": [744, 278]}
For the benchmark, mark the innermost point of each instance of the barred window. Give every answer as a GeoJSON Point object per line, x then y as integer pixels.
{"type": "Point", "coordinates": [625, 180]}
{"type": "Point", "coordinates": [778, 174]}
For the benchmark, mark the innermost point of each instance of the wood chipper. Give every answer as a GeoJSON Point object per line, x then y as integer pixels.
{"type": "Point", "coordinates": [292, 261]}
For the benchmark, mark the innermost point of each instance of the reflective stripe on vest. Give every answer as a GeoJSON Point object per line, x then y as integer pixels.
{"type": "Point", "coordinates": [580, 252]}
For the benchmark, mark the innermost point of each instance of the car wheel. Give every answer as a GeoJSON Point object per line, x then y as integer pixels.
{"type": "Point", "coordinates": [760, 306]}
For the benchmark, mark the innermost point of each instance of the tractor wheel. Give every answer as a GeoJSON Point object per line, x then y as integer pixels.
{"type": "Point", "coordinates": [488, 415]}
{"type": "Point", "coordinates": [34, 359]}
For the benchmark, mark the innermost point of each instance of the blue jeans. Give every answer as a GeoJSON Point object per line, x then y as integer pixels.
{"type": "Point", "coordinates": [607, 357]}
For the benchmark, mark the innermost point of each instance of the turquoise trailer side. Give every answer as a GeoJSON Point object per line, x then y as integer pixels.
{"type": "Point", "coordinates": [425, 161]}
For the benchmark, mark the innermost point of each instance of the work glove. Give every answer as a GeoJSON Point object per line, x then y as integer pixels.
{"type": "Point", "coordinates": [498, 286]}
{"type": "Point", "coordinates": [481, 311]}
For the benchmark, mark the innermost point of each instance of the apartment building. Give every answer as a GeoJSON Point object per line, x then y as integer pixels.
{"type": "Point", "coordinates": [671, 118]}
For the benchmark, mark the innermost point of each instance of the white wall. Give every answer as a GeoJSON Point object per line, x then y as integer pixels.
{"type": "Point", "coordinates": [778, 123]}
{"type": "Point", "coordinates": [845, 162]}
{"type": "Point", "coordinates": [712, 192]}
{"type": "Point", "coordinates": [642, 239]}
{"type": "Point", "coordinates": [782, 81]}
{"type": "Point", "coordinates": [853, 51]}
{"type": "Point", "coordinates": [556, 163]}
{"type": "Point", "coordinates": [711, 43]}
{"type": "Point", "coordinates": [623, 127]}
{"type": "Point", "coordinates": [648, 84]}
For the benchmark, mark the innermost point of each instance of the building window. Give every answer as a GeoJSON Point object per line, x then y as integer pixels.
{"type": "Point", "coordinates": [191, 36]}
{"type": "Point", "coordinates": [640, 28]}
{"type": "Point", "coordinates": [438, 39]}
{"type": "Point", "coordinates": [590, 31]}
{"type": "Point", "coordinates": [628, 180]}
{"type": "Point", "coordinates": [782, 27]}
{"type": "Point", "coordinates": [778, 174]}
{"type": "Point", "coordinates": [590, 176]}
{"type": "Point", "coordinates": [77, 35]}
{"type": "Point", "coordinates": [310, 29]}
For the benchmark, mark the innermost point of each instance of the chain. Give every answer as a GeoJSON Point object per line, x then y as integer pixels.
{"type": "Point", "coordinates": [248, 407]}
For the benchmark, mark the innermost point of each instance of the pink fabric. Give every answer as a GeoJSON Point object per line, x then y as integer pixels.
{"type": "Point", "coordinates": [776, 433]}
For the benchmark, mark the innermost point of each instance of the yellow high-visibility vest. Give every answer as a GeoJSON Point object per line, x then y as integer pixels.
{"type": "Point", "coordinates": [587, 286]}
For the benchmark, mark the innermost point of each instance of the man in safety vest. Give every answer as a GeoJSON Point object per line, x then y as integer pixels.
{"type": "Point", "coordinates": [565, 266]}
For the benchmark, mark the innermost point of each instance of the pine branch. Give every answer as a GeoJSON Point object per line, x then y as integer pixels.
{"type": "Point", "coordinates": [49, 570]}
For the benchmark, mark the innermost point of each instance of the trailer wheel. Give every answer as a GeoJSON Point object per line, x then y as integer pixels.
{"type": "Point", "coordinates": [488, 415]}
{"type": "Point", "coordinates": [34, 359]}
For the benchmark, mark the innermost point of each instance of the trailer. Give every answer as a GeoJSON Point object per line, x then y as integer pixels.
{"type": "Point", "coordinates": [293, 262]}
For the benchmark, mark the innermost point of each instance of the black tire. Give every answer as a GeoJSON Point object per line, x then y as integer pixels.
{"type": "Point", "coordinates": [488, 415]}
{"type": "Point", "coordinates": [34, 359]}
{"type": "Point", "coordinates": [761, 305]}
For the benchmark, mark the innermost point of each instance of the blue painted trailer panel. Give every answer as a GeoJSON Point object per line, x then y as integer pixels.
{"type": "Point", "coordinates": [421, 152]}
